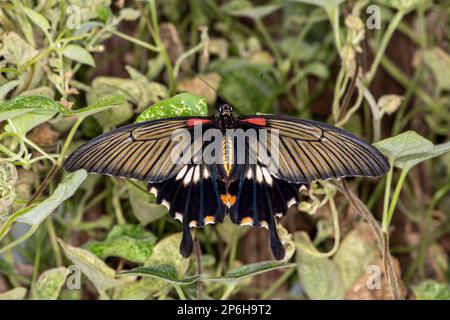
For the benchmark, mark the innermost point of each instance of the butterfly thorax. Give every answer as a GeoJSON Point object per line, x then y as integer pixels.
{"type": "Point", "coordinates": [226, 118]}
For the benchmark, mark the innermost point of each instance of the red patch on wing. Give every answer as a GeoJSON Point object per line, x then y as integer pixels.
{"type": "Point", "coordinates": [195, 122]}
{"type": "Point", "coordinates": [255, 121]}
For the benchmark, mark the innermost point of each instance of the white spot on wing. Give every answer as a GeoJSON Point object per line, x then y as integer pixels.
{"type": "Point", "coordinates": [249, 173]}
{"type": "Point", "coordinates": [291, 202]}
{"type": "Point", "coordinates": [205, 173]}
{"type": "Point", "coordinates": [193, 223]}
{"type": "Point", "coordinates": [188, 177]}
{"type": "Point", "coordinates": [196, 174]}
{"type": "Point", "coordinates": [181, 173]}
{"type": "Point", "coordinates": [259, 176]}
{"type": "Point", "coordinates": [267, 176]}
{"type": "Point", "coordinates": [166, 204]}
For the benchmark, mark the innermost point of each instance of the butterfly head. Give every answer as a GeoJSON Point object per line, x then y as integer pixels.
{"type": "Point", "coordinates": [225, 109]}
{"type": "Point", "coordinates": [225, 116]}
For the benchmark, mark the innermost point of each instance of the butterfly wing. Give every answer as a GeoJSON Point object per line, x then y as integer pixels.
{"type": "Point", "coordinates": [141, 151]}
{"type": "Point", "coordinates": [310, 150]}
{"type": "Point", "coordinates": [259, 198]}
{"type": "Point", "coordinates": [193, 197]}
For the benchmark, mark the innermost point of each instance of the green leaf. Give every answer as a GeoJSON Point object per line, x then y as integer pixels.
{"type": "Point", "coordinates": [355, 254]}
{"type": "Point", "coordinates": [164, 272]}
{"type": "Point", "coordinates": [319, 276]}
{"type": "Point", "coordinates": [183, 104]}
{"type": "Point", "coordinates": [131, 90]}
{"type": "Point", "coordinates": [432, 290]}
{"type": "Point", "coordinates": [409, 148]}
{"type": "Point", "coordinates": [402, 5]}
{"type": "Point", "coordinates": [167, 251]}
{"type": "Point", "coordinates": [26, 112]}
{"type": "Point", "coordinates": [104, 12]}
{"type": "Point", "coordinates": [34, 215]}
{"type": "Point", "coordinates": [130, 242]}
{"type": "Point", "coordinates": [150, 92]}
{"type": "Point", "coordinates": [49, 284]}
{"type": "Point", "coordinates": [102, 104]}
{"type": "Point", "coordinates": [16, 50]}
{"type": "Point", "coordinates": [78, 54]}
{"type": "Point", "coordinates": [328, 5]}
{"type": "Point", "coordinates": [37, 19]}
{"type": "Point", "coordinates": [6, 268]}
{"type": "Point", "coordinates": [248, 87]}
{"type": "Point", "coordinates": [439, 63]}
{"type": "Point", "coordinates": [7, 88]}
{"type": "Point", "coordinates": [63, 191]}
{"type": "Point", "coordinates": [18, 293]}
{"type": "Point", "coordinates": [250, 270]}
{"type": "Point", "coordinates": [138, 290]}
{"type": "Point", "coordinates": [143, 203]}
{"type": "Point", "coordinates": [244, 9]}
{"type": "Point", "coordinates": [317, 69]}
{"type": "Point", "coordinates": [412, 160]}
{"type": "Point", "coordinates": [26, 104]}
{"type": "Point", "coordinates": [129, 14]}
{"type": "Point", "coordinates": [101, 276]}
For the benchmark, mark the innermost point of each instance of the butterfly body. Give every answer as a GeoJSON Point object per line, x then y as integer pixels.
{"type": "Point", "coordinates": [225, 172]}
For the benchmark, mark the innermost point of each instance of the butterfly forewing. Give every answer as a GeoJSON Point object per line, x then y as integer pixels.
{"type": "Point", "coordinates": [141, 151]}
{"type": "Point", "coordinates": [310, 150]}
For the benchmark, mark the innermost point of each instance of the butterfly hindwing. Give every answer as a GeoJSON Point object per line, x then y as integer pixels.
{"type": "Point", "coordinates": [260, 197]}
{"type": "Point", "coordinates": [193, 197]}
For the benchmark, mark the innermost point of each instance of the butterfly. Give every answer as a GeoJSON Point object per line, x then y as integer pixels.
{"type": "Point", "coordinates": [239, 182]}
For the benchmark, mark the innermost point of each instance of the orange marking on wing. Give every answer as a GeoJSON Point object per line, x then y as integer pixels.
{"type": "Point", "coordinates": [247, 221]}
{"type": "Point", "coordinates": [195, 122]}
{"type": "Point", "coordinates": [209, 219]}
{"type": "Point", "coordinates": [256, 121]}
{"type": "Point", "coordinates": [228, 199]}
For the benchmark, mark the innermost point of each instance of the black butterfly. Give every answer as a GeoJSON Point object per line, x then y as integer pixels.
{"type": "Point", "coordinates": [250, 191]}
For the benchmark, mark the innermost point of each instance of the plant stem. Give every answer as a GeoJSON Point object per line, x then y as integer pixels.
{"type": "Point", "coordinates": [163, 51]}
{"type": "Point", "coordinates": [387, 194]}
{"type": "Point", "coordinates": [180, 292]}
{"type": "Point", "coordinates": [233, 249]}
{"type": "Point", "coordinates": [37, 257]}
{"type": "Point", "coordinates": [38, 57]}
{"type": "Point", "coordinates": [383, 45]}
{"type": "Point", "coordinates": [262, 29]}
{"type": "Point", "coordinates": [269, 292]}
{"type": "Point", "coordinates": [55, 246]}
{"type": "Point", "coordinates": [134, 40]}
{"type": "Point", "coordinates": [68, 140]}
{"type": "Point", "coordinates": [396, 195]}
{"type": "Point", "coordinates": [117, 208]}
{"type": "Point", "coordinates": [198, 255]}
{"type": "Point", "coordinates": [334, 18]}
{"type": "Point", "coordinates": [228, 291]}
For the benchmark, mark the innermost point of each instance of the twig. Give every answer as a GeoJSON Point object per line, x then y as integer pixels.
{"type": "Point", "coordinates": [198, 255]}
{"type": "Point", "coordinates": [43, 185]}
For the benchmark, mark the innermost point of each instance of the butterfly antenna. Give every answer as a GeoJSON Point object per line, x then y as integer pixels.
{"type": "Point", "coordinates": [253, 82]}
{"type": "Point", "coordinates": [206, 82]}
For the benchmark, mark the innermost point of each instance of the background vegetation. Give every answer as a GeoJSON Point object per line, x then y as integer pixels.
{"type": "Point", "coordinates": [72, 69]}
